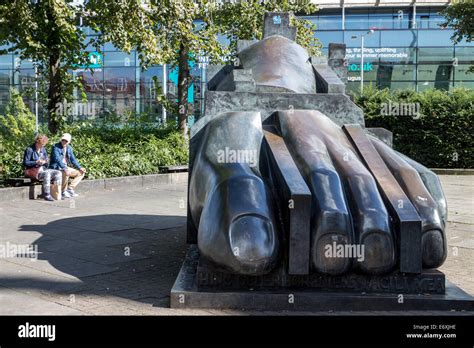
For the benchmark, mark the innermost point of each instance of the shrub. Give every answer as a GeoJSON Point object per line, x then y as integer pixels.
{"type": "Point", "coordinates": [121, 150]}
{"type": "Point", "coordinates": [441, 136]}
{"type": "Point", "coordinates": [17, 128]}
{"type": "Point", "coordinates": [106, 150]}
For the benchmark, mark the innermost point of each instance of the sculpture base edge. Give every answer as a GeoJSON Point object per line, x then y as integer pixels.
{"type": "Point", "coordinates": [186, 293]}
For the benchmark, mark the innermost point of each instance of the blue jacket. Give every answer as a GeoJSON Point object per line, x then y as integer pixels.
{"type": "Point", "coordinates": [57, 157]}
{"type": "Point", "coordinates": [31, 156]}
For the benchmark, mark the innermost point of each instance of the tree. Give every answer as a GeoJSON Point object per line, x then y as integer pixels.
{"type": "Point", "coordinates": [175, 31]}
{"type": "Point", "coordinates": [243, 20]}
{"type": "Point", "coordinates": [460, 16]}
{"type": "Point", "coordinates": [45, 32]}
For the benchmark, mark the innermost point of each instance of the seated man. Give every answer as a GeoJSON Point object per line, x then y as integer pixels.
{"type": "Point", "coordinates": [35, 162]}
{"type": "Point", "coordinates": [61, 157]}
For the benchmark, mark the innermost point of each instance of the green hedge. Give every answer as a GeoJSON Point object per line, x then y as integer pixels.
{"type": "Point", "coordinates": [440, 136]}
{"type": "Point", "coordinates": [106, 150]}
{"type": "Point", "coordinates": [122, 150]}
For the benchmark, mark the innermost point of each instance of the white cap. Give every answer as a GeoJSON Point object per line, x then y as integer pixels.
{"type": "Point", "coordinates": [66, 136]}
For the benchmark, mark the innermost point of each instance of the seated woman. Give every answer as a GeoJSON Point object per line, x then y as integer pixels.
{"type": "Point", "coordinates": [35, 161]}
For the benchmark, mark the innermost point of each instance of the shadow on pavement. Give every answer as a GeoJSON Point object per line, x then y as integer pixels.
{"type": "Point", "coordinates": [135, 257]}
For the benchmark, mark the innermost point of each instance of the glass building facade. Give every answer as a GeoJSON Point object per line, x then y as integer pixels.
{"type": "Point", "coordinates": [407, 50]}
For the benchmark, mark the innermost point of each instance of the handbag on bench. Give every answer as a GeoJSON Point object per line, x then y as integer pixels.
{"type": "Point", "coordinates": [32, 172]}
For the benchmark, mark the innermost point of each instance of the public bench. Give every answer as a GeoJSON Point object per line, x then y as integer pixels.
{"type": "Point", "coordinates": [173, 169]}
{"type": "Point", "coordinates": [17, 182]}
{"type": "Point", "coordinates": [34, 191]}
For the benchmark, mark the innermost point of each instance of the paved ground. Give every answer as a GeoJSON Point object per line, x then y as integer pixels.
{"type": "Point", "coordinates": [119, 252]}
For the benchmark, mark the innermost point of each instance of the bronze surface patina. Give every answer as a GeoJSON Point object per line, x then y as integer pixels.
{"type": "Point", "coordinates": [289, 191]}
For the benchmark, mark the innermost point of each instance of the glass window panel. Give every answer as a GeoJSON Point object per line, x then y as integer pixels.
{"type": "Point", "coordinates": [120, 88]}
{"type": "Point", "coordinates": [327, 37]}
{"type": "Point", "coordinates": [435, 21]}
{"type": "Point", "coordinates": [372, 40]}
{"type": "Point", "coordinates": [108, 46]}
{"type": "Point", "coordinates": [435, 72]}
{"type": "Point", "coordinates": [381, 18]}
{"type": "Point", "coordinates": [423, 21]}
{"type": "Point", "coordinates": [6, 61]}
{"type": "Point", "coordinates": [464, 54]}
{"type": "Point", "coordinates": [93, 92]}
{"type": "Point", "coordinates": [357, 19]}
{"type": "Point", "coordinates": [4, 92]}
{"type": "Point", "coordinates": [461, 74]}
{"type": "Point", "coordinates": [395, 38]}
{"type": "Point", "coordinates": [434, 37]}
{"type": "Point", "coordinates": [147, 84]}
{"type": "Point", "coordinates": [424, 85]}
{"type": "Point", "coordinates": [93, 83]}
{"type": "Point", "coordinates": [26, 64]}
{"type": "Point", "coordinates": [5, 77]}
{"type": "Point", "coordinates": [124, 107]}
{"type": "Point", "coordinates": [465, 84]}
{"type": "Point", "coordinates": [119, 59]}
{"type": "Point", "coordinates": [330, 22]}
{"type": "Point", "coordinates": [152, 108]}
{"type": "Point", "coordinates": [402, 85]}
{"type": "Point", "coordinates": [441, 54]}
{"type": "Point", "coordinates": [119, 82]}
{"type": "Point", "coordinates": [26, 77]}
{"type": "Point", "coordinates": [443, 84]}
{"type": "Point", "coordinates": [403, 72]}
{"type": "Point", "coordinates": [391, 72]}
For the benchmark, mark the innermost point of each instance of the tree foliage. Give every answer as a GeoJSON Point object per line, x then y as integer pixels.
{"type": "Point", "coordinates": [18, 122]}
{"type": "Point", "coordinates": [460, 16]}
{"type": "Point", "coordinates": [46, 32]}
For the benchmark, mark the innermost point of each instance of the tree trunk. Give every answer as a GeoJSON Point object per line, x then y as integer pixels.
{"type": "Point", "coordinates": [183, 85]}
{"type": "Point", "coordinates": [54, 93]}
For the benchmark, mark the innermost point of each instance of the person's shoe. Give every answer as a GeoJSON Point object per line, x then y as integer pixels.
{"type": "Point", "coordinates": [48, 198]}
{"type": "Point", "coordinates": [66, 194]}
{"type": "Point", "coordinates": [72, 193]}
